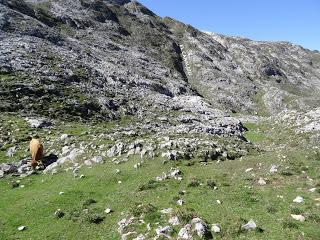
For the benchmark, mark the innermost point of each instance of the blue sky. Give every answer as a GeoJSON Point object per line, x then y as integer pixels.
{"type": "Point", "coordinates": [296, 21]}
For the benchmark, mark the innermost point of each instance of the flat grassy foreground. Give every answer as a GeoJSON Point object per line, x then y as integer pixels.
{"type": "Point", "coordinates": [242, 198]}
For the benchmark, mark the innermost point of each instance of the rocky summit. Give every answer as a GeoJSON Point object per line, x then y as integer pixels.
{"type": "Point", "coordinates": [108, 83]}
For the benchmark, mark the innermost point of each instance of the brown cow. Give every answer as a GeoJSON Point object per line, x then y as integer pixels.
{"type": "Point", "coordinates": [36, 150]}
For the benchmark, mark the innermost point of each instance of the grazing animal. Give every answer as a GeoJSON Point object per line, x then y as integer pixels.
{"type": "Point", "coordinates": [36, 150]}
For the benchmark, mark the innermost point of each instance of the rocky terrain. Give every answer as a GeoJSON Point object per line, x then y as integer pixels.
{"type": "Point", "coordinates": [254, 77]}
{"type": "Point", "coordinates": [104, 61]}
{"type": "Point", "coordinates": [109, 83]}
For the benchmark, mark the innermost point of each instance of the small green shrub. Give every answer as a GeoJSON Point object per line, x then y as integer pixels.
{"type": "Point", "coordinates": [88, 202]}
{"type": "Point", "coordinates": [286, 173]}
{"type": "Point", "coordinates": [94, 218]}
{"type": "Point", "coordinates": [314, 217]}
{"type": "Point", "coordinates": [141, 209]}
{"type": "Point", "coordinates": [271, 209]}
{"type": "Point", "coordinates": [289, 223]}
{"type": "Point", "coordinates": [85, 215]}
{"type": "Point", "coordinates": [151, 184]}
{"type": "Point", "coordinates": [193, 182]}
{"type": "Point", "coordinates": [189, 163]}
{"type": "Point", "coordinates": [250, 197]}
{"type": "Point", "coordinates": [175, 199]}
{"type": "Point", "coordinates": [296, 211]}
{"type": "Point", "coordinates": [211, 183]}
{"type": "Point", "coordinates": [15, 184]}
{"type": "Point", "coordinates": [185, 215]}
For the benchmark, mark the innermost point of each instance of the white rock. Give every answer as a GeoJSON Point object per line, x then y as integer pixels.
{"type": "Point", "coordinates": [71, 156]}
{"type": "Point", "coordinates": [58, 213]}
{"type": "Point", "coordinates": [117, 171]}
{"type": "Point", "coordinates": [137, 166]}
{"type": "Point", "coordinates": [298, 199]}
{"type": "Point", "coordinates": [65, 150]}
{"type": "Point", "coordinates": [50, 168]}
{"type": "Point", "coordinates": [215, 228]}
{"type": "Point", "coordinates": [249, 170]}
{"type": "Point", "coordinates": [63, 137]}
{"type": "Point", "coordinates": [163, 230]}
{"type": "Point", "coordinates": [22, 228]}
{"type": "Point", "coordinates": [97, 159]}
{"type": "Point", "coordinates": [199, 226]}
{"type": "Point", "coordinates": [142, 221]}
{"type": "Point", "coordinates": [218, 201]}
{"type": "Point", "coordinates": [174, 221]}
{"type": "Point", "coordinates": [38, 123]}
{"type": "Point", "coordinates": [312, 190]}
{"type": "Point", "coordinates": [1, 174]}
{"type": "Point", "coordinates": [166, 211]}
{"type": "Point", "coordinates": [175, 172]}
{"type": "Point", "coordinates": [274, 169]}
{"type": "Point", "coordinates": [87, 163]}
{"type": "Point", "coordinates": [163, 119]}
{"type": "Point", "coordinates": [262, 182]}
{"type": "Point", "coordinates": [11, 151]}
{"type": "Point", "coordinates": [127, 235]}
{"type": "Point", "coordinates": [298, 217]}
{"type": "Point", "coordinates": [108, 210]}
{"type": "Point", "coordinates": [184, 232]}
{"type": "Point", "coordinates": [117, 149]}
{"type": "Point", "coordinates": [180, 202]}
{"type": "Point", "coordinates": [123, 223]}
{"type": "Point", "coordinates": [61, 193]}
{"type": "Point", "coordinates": [309, 179]}
{"type": "Point", "coordinates": [9, 168]}
{"type": "Point", "coordinates": [251, 225]}
{"type": "Point", "coordinates": [119, 182]}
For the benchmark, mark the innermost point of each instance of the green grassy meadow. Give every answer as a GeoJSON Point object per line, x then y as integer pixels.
{"type": "Point", "coordinates": [242, 198]}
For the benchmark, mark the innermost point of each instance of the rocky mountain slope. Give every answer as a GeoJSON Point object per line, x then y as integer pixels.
{"type": "Point", "coordinates": [144, 107]}
{"type": "Point", "coordinates": [101, 61]}
{"type": "Point", "coordinates": [253, 77]}
{"type": "Point", "coordinates": [104, 59]}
